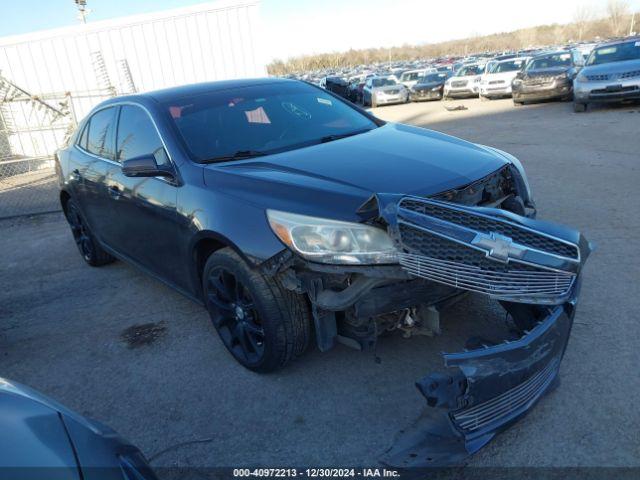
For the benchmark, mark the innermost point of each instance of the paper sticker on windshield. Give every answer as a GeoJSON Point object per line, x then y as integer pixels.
{"type": "Point", "coordinates": [324, 101]}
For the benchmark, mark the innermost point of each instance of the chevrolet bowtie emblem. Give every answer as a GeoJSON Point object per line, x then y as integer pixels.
{"type": "Point", "coordinates": [498, 247]}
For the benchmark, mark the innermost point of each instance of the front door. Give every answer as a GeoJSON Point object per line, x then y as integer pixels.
{"type": "Point", "coordinates": [143, 210]}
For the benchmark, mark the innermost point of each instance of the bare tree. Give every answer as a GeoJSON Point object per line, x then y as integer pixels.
{"type": "Point", "coordinates": [617, 10]}
{"type": "Point", "coordinates": [582, 17]}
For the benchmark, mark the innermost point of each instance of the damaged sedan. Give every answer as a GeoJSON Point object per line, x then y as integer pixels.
{"type": "Point", "coordinates": [292, 215]}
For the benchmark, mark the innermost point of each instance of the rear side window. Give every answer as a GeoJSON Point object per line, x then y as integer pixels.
{"type": "Point", "coordinates": [138, 136]}
{"type": "Point", "coordinates": [83, 138]}
{"type": "Point", "coordinates": [100, 136]}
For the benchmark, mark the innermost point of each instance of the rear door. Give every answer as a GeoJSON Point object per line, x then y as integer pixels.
{"type": "Point", "coordinates": [89, 162]}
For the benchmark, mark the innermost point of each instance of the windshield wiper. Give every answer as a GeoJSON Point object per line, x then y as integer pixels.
{"type": "Point", "coordinates": [239, 155]}
{"type": "Point", "coordinates": [331, 138]}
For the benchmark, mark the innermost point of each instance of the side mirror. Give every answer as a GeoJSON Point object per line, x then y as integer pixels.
{"type": "Point", "coordinates": [145, 166]}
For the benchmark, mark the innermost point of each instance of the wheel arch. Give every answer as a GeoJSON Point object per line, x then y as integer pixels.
{"type": "Point", "coordinates": [65, 196]}
{"type": "Point", "coordinates": [204, 244]}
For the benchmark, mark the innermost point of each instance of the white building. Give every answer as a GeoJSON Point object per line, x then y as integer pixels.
{"type": "Point", "coordinates": [50, 79]}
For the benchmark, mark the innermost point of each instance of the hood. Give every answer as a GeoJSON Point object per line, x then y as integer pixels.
{"type": "Point", "coordinates": [468, 78]}
{"type": "Point", "coordinates": [388, 88]}
{"type": "Point", "coordinates": [489, 77]}
{"type": "Point", "coordinates": [546, 72]}
{"type": "Point", "coordinates": [429, 85]}
{"type": "Point", "coordinates": [33, 435]}
{"type": "Point", "coordinates": [612, 67]}
{"type": "Point", "coordinates": [394, 158]}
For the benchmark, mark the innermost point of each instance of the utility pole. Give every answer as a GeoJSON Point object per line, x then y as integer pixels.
{"type": "Point", "coordinates": [633, 21]}
{"type": "Point", "coordinates": [82, 10]}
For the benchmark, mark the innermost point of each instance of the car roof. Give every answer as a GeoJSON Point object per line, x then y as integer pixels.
{"type": "Point", "coordinates": [514, 59]}
{"type": "Point", "coordinates": [199, 88]}
{"type": "Point", "coordinates": [619, 41]}
{"type": "Point", "coordinates": [552, 52]}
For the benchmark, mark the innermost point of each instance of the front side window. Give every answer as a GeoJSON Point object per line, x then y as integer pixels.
{"type": "Point", "coordinates": [408, 77]}
{"type": "Point", "coordinates": [100, 133]}
{"type": "Point", "coordinates": [138, 136]}
{"type": "Point", "coordinates": [261, 119]}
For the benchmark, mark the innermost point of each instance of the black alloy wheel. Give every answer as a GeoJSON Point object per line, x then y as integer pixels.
{"type": "Point", "coordinates": [235, 316]}
{"type": "Point", "coordinates": [80, 233]}
{"type": "Point", "coordinates": [260, 322]}
{"type": "Point", "coordinates": [91, 251]}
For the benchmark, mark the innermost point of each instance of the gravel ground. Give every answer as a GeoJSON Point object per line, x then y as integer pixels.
{"type": "Point", "coordinates": [171, 387]}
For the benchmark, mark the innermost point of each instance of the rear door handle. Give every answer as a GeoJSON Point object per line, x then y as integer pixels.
{"type": "Point", "coordinates": [75, 174]}
{"type": "Point", "coordinates": [115, 192]}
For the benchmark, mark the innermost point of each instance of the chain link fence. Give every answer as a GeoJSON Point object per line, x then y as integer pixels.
{"type": "Point", "coordinates": [32, 128]}
{"type": "Point", "coordinates": [28, 186]}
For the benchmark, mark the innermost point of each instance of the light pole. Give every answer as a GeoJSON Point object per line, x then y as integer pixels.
{"type": "Point", "coordinates": [82, 9]}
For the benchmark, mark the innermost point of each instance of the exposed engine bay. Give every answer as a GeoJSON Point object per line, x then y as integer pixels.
{"type": "Point", "coordinates": [480, 239]}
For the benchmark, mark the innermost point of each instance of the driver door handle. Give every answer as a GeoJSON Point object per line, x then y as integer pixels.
{"type": "Point", "coordinates": [115, 192]}
{"type": "Point", "coordinates": [75, 175]}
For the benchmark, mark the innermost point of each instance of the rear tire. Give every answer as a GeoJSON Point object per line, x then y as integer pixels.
{"type": "Point", "coordinates": [579, 107]}
{"type": "Point", "coordinates": [90, 249]}
{"type": "Point", "coordinates": [261, 323]}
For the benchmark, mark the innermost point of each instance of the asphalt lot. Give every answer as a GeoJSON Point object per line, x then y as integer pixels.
{"type": "Point", "coordinates": [183, 400]}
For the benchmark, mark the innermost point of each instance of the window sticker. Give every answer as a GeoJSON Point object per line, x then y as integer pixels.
{"type": "Point", "coordinates": [257, 116]}
{"type": "Point", "coordinates": [325, 101]}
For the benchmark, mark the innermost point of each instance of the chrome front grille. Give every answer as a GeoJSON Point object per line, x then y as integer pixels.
{"type": "Point", "coordinates": [493, 255]}
{"type": "Point", "coordinates": [598, 78]}
{"type": "Point", "coordinates": [492, 413]}
{"type": "Point", "coordinates": [459, 84]}
{"type": "Point", "coordinates": [486, 224]}
{"type": "Point", "coordinates": [448, 262]}
{"type": "Point", "coordinates": [496, 82]}
{"type": "Point", "coordinates": [631, 74]}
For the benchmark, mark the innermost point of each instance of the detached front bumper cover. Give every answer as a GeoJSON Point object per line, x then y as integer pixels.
{"type": "Point", "coordinates": [533, 269]}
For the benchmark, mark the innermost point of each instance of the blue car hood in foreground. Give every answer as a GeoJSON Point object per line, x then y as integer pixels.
{"type": "Point", "coordinates": [394, 158]}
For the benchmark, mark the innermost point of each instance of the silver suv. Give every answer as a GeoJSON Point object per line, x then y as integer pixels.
{"type": "Point", "coordinates": [612, 74]}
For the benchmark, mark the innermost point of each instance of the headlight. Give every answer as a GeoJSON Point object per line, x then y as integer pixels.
{"type": "Point", "coordinates": [523, 181]}
{"type": "Point", "coordinates": [516, 81]}
{"type": "Point", "coordinates": [434, 89]}
{"type": "Point", "coordinates": [332, 241]}
{"type": "Point", "coordinates": [582, 78]}
{"type": "Point", "coordinates": [562, 76]}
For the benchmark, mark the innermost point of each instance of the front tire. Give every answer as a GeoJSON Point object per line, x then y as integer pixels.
{"type": "Point", "coordinates": [90, 249]}
{"type": "Point", "coordinates": [261, 323]}
{"type": "Point", "coordinates": [579, 107]}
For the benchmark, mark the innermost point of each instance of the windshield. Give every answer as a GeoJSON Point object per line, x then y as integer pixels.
{"type": "Point", "coordinates": [615, 53]}
{"type": "Point", "coordinates": [510, 66]}
{"type": "Point", "coordinates": [434, 77]}
{"type": "Point", "coordinates": [550, 61]}
{"type": "Point", "coordinates": [382, 82]}
{"type": "Point", "coordinates": [261, 119]}
{"type": "Point", "coordinates": [469, 70]}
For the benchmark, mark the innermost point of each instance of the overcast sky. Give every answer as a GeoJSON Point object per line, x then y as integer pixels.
{"type": "Point", "coordinates": [295, 27]}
